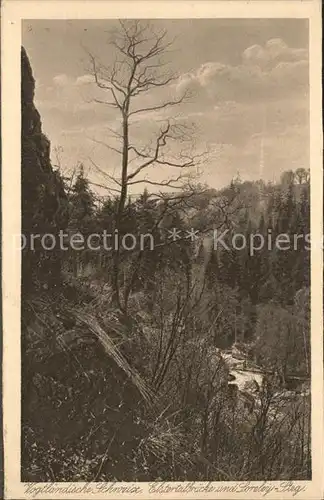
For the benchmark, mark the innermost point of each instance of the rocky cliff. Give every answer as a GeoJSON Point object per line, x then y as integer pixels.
{"type": "Point", "coordinates": [44, 203]}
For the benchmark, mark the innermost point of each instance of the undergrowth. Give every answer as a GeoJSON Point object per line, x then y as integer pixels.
{"type": "Point", "coordinates": [104, 400]}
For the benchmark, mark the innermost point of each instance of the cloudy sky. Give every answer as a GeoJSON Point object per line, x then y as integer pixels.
{"type": "Point", "coordinates": [248, 80]}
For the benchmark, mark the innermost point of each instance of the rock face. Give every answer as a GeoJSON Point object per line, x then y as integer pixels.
{"type": "Point", "coordinates": [44, 203]}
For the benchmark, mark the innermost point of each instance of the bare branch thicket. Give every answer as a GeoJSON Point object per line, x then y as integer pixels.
{"type": "Point", "coordinates": [139, 68]}
{"type": "Point", "coordinates": [68, 174]}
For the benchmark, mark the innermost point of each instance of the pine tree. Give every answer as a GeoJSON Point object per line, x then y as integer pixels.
{"type": "Point", "coordinates": [82, 202]}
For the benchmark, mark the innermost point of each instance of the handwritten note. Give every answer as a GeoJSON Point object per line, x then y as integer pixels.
{"type": "Point", "coordinates": [262, 489]}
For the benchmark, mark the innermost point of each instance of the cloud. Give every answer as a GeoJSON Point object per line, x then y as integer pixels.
{"type": "Point", "coordinates": [73, 97]}
{"type": "Point", "coordinates": [185, 82]}
{"type": "Point", "coordinates": [84, 79]}
{"type": "Point", "coordinates": [64, 80]}
{"type": "Point", "coordinates": [274, 51]}
{"type": "Point", "coordinates": [274, 71]}
{"type": "Point", "coordinates": [293, 74]}
{"type": "Point", "coordinates": [208, 71]}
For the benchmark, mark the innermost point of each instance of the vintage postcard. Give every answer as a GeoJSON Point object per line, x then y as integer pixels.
{"type": "Point", "coordinates": [162, 249]}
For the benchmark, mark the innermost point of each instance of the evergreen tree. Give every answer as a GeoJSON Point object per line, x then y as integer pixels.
{"type": "Point", "coordinates": [82, 202]}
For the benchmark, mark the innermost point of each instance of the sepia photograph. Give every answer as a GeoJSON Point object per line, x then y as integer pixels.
{"type": "Point", "coordinates": [165, 254]}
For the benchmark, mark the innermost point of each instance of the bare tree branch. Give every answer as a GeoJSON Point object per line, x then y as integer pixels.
{"type": "Point", "coordinates": [106, 145]}
{"type": "Point", "coordinates": [159, 106]}
{"type": "Point", "coordinates": [105, 174]}
{"type": "Point", "coordinates": [103, 186]}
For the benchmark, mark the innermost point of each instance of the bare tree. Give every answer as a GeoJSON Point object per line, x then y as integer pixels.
{"type": "Point", "coordinates": [138, 69]}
